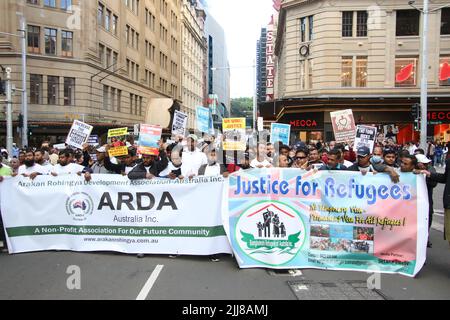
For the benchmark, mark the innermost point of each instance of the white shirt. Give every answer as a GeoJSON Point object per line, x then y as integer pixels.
{"type": "Point", "coordinates": [255, 163]}
{"type": "Point", "coordinates": [71, 168]}
{"type": "Point", "coordinates": [128, 169]}
{"type": "Point", "coordinates": [347, 163]}
{"type": "Point", "coordinates": [23, 169]}
{"type": "Point", "coordinates": [168, 170]}
{"type": "Point", "coordinates": [212, 171]}
{"type": "Point", "coordinates": [192, 161]}
{"type": "Point", "coordinates": [412, 149]}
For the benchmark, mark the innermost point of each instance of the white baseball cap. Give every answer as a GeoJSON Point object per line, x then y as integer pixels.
{"type": "Point", "coordinates": [101, 149]}
{"type": "Point", "coordinates": [422, 158]}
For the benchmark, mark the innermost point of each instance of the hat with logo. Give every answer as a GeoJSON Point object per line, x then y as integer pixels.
{"type": "Point", "coordinates": [363, 151]}
{"type": "Point", "coordinates": [422, 159]}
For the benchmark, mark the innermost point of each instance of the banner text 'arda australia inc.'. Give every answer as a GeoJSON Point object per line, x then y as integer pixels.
{"type": "Point", "coordinates": [286, 219]}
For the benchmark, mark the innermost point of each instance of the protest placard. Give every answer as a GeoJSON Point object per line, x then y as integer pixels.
{"type": "Point", "coordinates": [179, 123]}
{"type": "Point", "coordinates": [79, 134]}
{"type": "Point", "coordinates": [203, 119]}
{"type": "Point", "coordinates": [365, 137]}
{"type": "Point", "coordinates": [280, 132]}
{"type": "Point", "coordinates": [118, 151]}
{"type": "Point", "coordinates": [148, 140]}
{"type": "Point", "coordinates": [234, 134]}
{"type": "Point", "coordinates": [118, 132]}
{"type": "Point", "coordinates": [343, 126]}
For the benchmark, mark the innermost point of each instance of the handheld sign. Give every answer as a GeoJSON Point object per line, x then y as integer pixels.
{"type": "Point", "coordinates": [117, 132]}
{"type": "Point", "coordinates": [118, 151]}
{"type": "Point", "coordinates": [343, 126]}
{"type": "Point", "coordinates": [79, 134]}
{"type": "Point", "coordinates": [365, 137]}
{"type": "Point", "coordinates": [234, 134]}
{"type": "Point", "coordinates": [203, 122]}
{"type": "Point", "coordinates": [179, 123]}
{"type": "Point", "coordinates": [280, 132]}
{"type": "Point", "coordinates": [148, 140]}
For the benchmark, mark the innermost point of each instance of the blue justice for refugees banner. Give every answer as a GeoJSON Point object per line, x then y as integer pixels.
{"type": "Point", "coordinates": [289, 218]}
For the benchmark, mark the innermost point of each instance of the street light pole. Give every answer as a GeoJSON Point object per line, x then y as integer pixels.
{"type": "Point", "coordinates": [254, 97]}
{"type": "Point", "coordinates": [424, 83]}
{"type": "Point", "coordinates": [9, 126]}
{"type": "Point", "coordinates": [24, 83]}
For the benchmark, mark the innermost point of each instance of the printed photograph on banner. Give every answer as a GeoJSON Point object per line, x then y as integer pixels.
{"type": "Point", "coordinates": [234, 137]}
{"type": "Point", "coordinates": [343, 126]}
{"type": "Point", "coordinates": [79, 134]}
{"type": "Point", "coordinates": [336, 221]}
{"type": "Point", "coordinates": [149, 138]}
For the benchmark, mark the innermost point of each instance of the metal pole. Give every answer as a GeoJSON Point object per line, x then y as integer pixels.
{"type": "Point", "coordinates": [24, 83]}
{"type": "Point", "coordinates": [9, 126]}
{"type": "Point", "coordinates": [254, 97]}
{"type": "Point", "coordinates": [424, 84]}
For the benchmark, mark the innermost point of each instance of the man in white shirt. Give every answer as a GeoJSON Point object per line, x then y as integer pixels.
{"type": "Point", "coordinates": [192, 159]}
{"type": "Point", "coordinates": [65, 165]}
{"type": "Point", "coordinates": [213, 169]}
{"type": "Point", "coordinates": [30, 168]}
{"type": "Point", "coordinates": [39, 159]}
{"type": "Point", "coordinates": [261, 160]}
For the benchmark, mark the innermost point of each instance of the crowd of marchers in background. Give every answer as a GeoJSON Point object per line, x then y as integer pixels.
{"type": "Point", "coordinates": [188, 157]}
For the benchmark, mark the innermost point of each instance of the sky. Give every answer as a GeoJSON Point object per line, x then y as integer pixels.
{"type": "Point", "coordinates": [242, 21]}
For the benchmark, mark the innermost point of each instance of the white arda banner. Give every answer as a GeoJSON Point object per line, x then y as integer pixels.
{"type": "Point", "coordinates": [113, 213]}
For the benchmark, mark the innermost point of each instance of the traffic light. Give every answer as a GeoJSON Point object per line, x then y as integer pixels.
{"type": "Point", "coordinates": [415, 111]}
{"type": "Point", "coordinates": [20, 120]}
{"type": "Point", "coordinates": [416, 125]}
{"type": "Point", "coordinates": [2, 87]}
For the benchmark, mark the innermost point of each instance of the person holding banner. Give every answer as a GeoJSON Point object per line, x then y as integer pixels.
{"type": "Point", "coordinates": [213, 169]}
{"type": "Point", "coordinates": [334, 161]}
{"type": "Point", "coordinates": [443, 178]}
{"type": "Point", "coordinates": [192, 158]}
{"type": "Point", "coordinates": [151, 166]}
{"type": "Point", "coordinates": [66, 166]}
{"type": "Point", "coordinates": [261, 160]}
{"type": "Point", "coordinates": [5, 171]}
{"type": "Point", "coordinates": [30, 168]}
{"type": "Point", "coordinates": [301, 159]}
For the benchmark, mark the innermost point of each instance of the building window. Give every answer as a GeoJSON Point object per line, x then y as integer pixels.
{"type": "Point", "coordinates": [140, 106]}
{"type": "Point", "coordinates": [113, 99]}
{"type": "Point", "coordinates": [361, 72]}
{"type": "Point", "coordinates": [347, 24]}
{"type": "Point", "coordinates": [50, 41]}
{"type": "Point", "coordinates": [101, 54]}
{"type": "Point", "coordinates": [136, 99]}
{"type": "Point", "coordinates": [311, 27]}
{"type": "Point", "coordinates": [303, 29]}
{"type": "Point", "coordinates": [119, 100]}
{"type": "Point", "coordinates": [444, 71]}
{"type": "Point", "coordinates": [115, 21]}
{"type": "Point", "coordinates": [69, 91]}
{"type": "Point", "coordinates": [36, 2]}
{"type": "Point", "coordinates": [107, 20]}
{"type": "Point", "coordinates": [445, 21]}
{"type": "Point", "coordinates": [36, 88]}
{"type": "Point", "coordinates": [115, 58]}
{"type": "Point", "coordinates": [361, 24]}
{"type": "Point", "coordinates": [67, 43]}
{"type": "Point", "coordinates": [310, 73]}
{"type": "Point", "coordinates": [347, 72]}
{"type": "Point", "coordinates": [105, 97]}
{"type": "Point", "coordinates": [405, 72]}
{"type": "Point", "coordinates": [100, 13]}
{"type": "Point", "coordinates": [131, 103]}
{"type": "Point", "coordinates": [50, 3]}
{"type": "Point", "coordinates": [52, 90]}
{"type": "Point", "coordinates": [108, 57]}
{"type": "Point", "coordinates": [34, 34]}
{"type": "Point", "coordinates": [408, 22]}
{"type": "Point", "coordinates": [66, 4]}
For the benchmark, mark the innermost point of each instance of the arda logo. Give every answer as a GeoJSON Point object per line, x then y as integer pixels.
{"type": "Point", "coordinates": [270, 232]}
{"type": "Point", "coordinates": [79, 206]}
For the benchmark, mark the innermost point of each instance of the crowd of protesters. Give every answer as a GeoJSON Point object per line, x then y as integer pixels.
{"type": "Point", "coordinates": [187, 157]}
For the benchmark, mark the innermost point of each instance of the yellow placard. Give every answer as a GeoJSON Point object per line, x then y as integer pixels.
{"type": "Point", "coordinates": [234, 146]}
{"type": "Point", "coordinates": [118, 151]}
{"type": "Point", "coordinates": [117, 132]}
{"type": "Point", "coordinates": [234, 123]}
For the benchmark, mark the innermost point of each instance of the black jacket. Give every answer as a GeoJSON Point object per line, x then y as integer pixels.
{"type": "Point", "coordinates": [139, 172]}
{"type": "Point", "coordinates": [444, 178]}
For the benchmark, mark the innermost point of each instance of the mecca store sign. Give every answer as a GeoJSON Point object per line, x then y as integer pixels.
{"type": "Point", "coordinates": [310, 121]}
